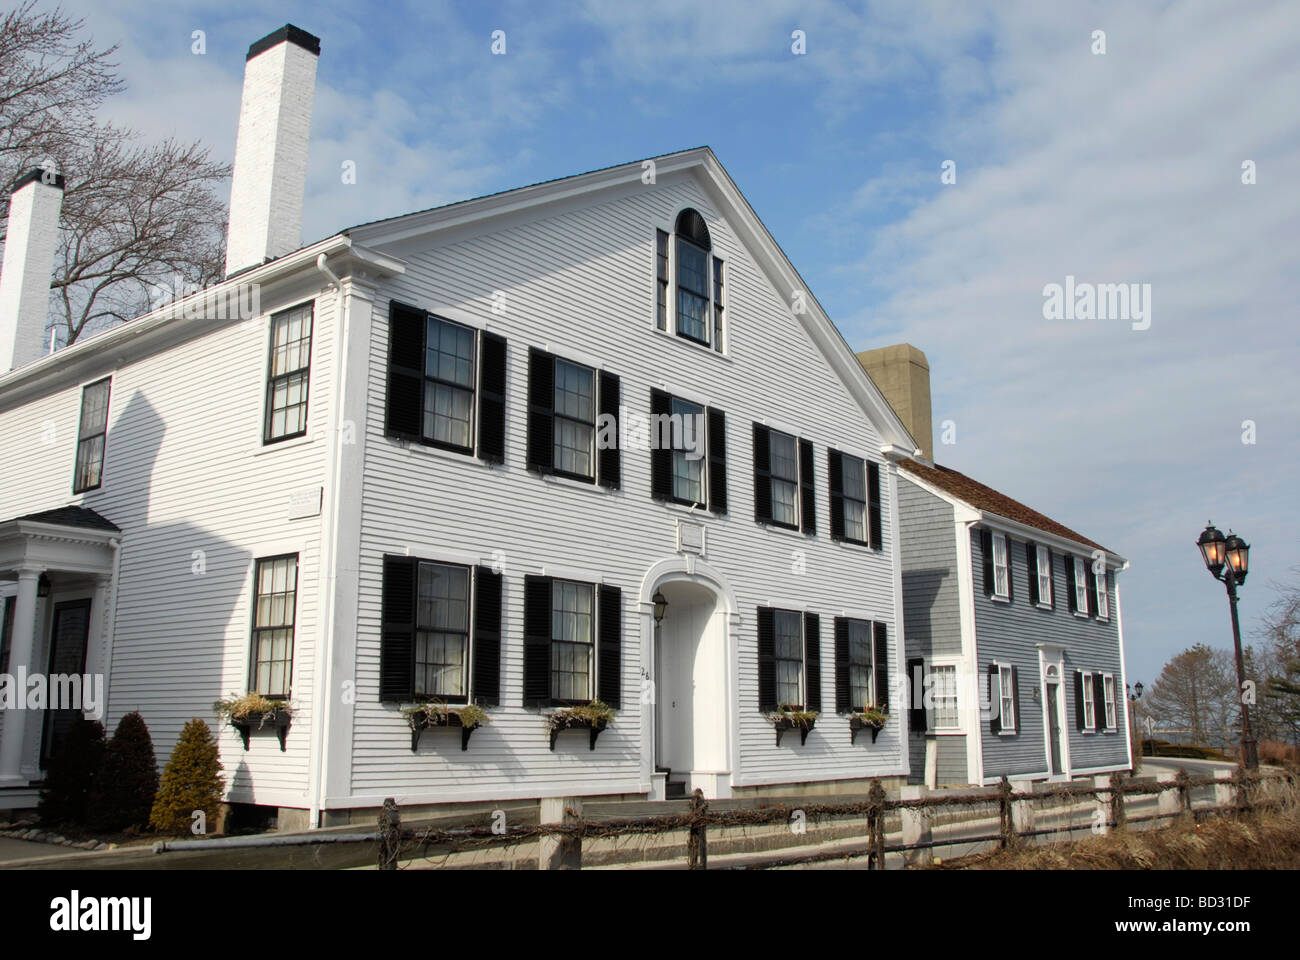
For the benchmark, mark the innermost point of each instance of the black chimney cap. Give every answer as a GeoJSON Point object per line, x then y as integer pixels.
{"type": "Point", "coordinates": [288, 33]}
{"type": "Point", "coordinates": [34, 175]}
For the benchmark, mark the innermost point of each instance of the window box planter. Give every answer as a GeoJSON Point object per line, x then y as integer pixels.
{"type": "Point", "coordinates": [437, 715]}
{"type": "Point", "coordinates": [593, 717]}
{"type": "Point", "coordinates": [255, 712]}
{"type": "Point", "coordinates": [873, 720]}
{"type": "Point", "coordinates": [786, 719]}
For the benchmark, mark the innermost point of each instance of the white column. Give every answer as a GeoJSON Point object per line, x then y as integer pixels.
{"type": "Point", "coordinates": [13, 734]}
{"type": "Point", "coordinates": [97, 653]}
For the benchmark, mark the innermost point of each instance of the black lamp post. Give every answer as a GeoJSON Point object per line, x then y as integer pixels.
{"type": "Point", "coordinates": [1228, 559]}
{"type": "Point", "coordinates": [1134, 695]}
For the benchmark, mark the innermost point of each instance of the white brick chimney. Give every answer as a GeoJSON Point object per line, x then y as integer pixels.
{"type": "Point", "coordinates": [31, 237]}
{"type": "Point", "coordinates": [270, 173]}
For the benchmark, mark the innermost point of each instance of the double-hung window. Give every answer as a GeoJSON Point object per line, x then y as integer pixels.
{"type": "Point", "coordinates": [289, 374]}
{"type": "Point", "coordinates": [862, 685]}
{"type": "Point", "coordinates": [449, 384]}
{"type": "Point", "coordinates": [1089, 703]}
{"type": "Point", "coordinates": [1081, 586]}
{"type": "Point", "coordinates": [696, 275]}
{"type": "Point", "coordinates": [1001, 567]}
{"type": "Point", "coordinates": [1103, 595]}
{"type": "Point", "coordinates": [855, 498]}
{"type": "Point", "coordinates": [944, 695]}
{"type": "Point", "coordinates": [787, 633]}
{"type": "Point", "coordinates": [575, 419]}
{"type": "Point", "coordinates": [1043, 557]}
{"type": "Point", "coordinates": [91, 435]}
{"type": "Point", "coordinates": [572, 640]}
{"type": "Point", "coordinates": [692, 291]}
{"type": "Point", "coordinates": [442, 632]}
{"type": "Point", "coordinates": [275, 581]}
{"type": "Point", "coordinates": [785, 479]}
{"type": "Point", "coordinates": [1006, 698]}
{"type": "Point", "coordinates": [1108, 689]}
{"type": "Point", "coordinates": [688, 459]}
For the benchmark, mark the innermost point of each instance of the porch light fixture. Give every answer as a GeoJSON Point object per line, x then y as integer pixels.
{"type": "Point", "coordinates": [1228, 559]}
{"type": "Point", "coordinates": [661, 606]}
{"type": "Point", "coordinates": [43, 586]}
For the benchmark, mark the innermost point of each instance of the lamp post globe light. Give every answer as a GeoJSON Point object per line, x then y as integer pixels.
{"type": "Point", "coordinates": [1228, 559]}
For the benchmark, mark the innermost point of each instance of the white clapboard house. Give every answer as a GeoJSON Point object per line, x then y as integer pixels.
{"type": "Point", "coordinates": [389, 483]}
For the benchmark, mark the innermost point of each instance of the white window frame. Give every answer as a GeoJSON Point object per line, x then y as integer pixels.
{"type": "Point", "coordinates": [803, 649]}
{"type": "Point", "coordinates": [1081, 587]}
{"type": "Point", "coordinates": [1103, 595]}
{"type": "Point", "coordinates": [1005, 569]}
{"type": "Point", "coordinates": [1112, 704]}
{"type": "Point", "coordinates": [1043, 558]}
{"type": "Point", "coordinates": [1089, 703]}
{"type": "Point", "coordinates": [716, 342]}
{"type": "Point", "coordinates": [1006, 695]}
{"type": "Point", "coordinates": [934, 670]}
{"type": "Point", "coordinates": [871, 664]}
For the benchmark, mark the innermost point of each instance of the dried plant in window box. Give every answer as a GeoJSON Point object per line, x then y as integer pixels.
{"type": "Point", "coordinates": [593, 717]}
{"type": "Point", "coordinates": [252, 712]}
{"type": "Point", "coordinates": [437, 713]}
{"type": "Point", "coordinates": [869, 719]}
{"type": "Point", "coordinates": [788, 718]}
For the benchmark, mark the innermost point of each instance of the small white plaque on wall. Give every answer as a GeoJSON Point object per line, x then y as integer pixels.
{"type": "Point", "coordinates": [304, 502]}
{"type": "Point", "coordinates": [691, 537]}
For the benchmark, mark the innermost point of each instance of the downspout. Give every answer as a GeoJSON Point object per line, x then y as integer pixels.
{"type": "Point", "coordinates": [326, 578]}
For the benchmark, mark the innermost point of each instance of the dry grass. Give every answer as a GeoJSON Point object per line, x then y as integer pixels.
{"type": "Point", "coordinates": [1269, 841]}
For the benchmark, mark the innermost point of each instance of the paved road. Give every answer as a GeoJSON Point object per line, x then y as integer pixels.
{"type": "Point", "coordinates": [25, 849]}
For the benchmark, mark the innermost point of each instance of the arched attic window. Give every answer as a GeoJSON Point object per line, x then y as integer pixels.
{"type": "Point", "coordinates": [699, 281]}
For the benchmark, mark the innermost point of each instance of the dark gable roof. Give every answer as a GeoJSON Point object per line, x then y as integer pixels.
{"type": "Point", "coordinates": [82, 517]}
{"type": "Point", "coordinates": [990, 501]}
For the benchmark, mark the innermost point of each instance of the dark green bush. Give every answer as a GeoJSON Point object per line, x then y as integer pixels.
{"type": "Point", "coordinates": [72, 774]}
{"type": "Point", "coordinates": [130, 778]}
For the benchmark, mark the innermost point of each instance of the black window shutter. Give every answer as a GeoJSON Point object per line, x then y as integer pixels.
{"type": "Point", "coordinates": [842, 696]}
{"type": "Point", "coordinates": [405, 411]}
{"type": "Point", "coordinates": [611, 458]}
{"type": "Point", "coordinates": [766, 661]}
{"type": "Point", "coordinates": [541, 411]}
{"type": "Point", "coordinates": [763, 477]}
{"type": "Point", "coordinates": [873, 504]}
{"type": "Point", "coordinates": [661, 457]}
{"type": "Point", "coordinates": [1011, 567]}
{"type": "Point", "coordinates": [492, 398]}
{"type": "Point", "coordinates": [1071, 597]}
{"type": "Point", "coordinates": [397, 630]}
{"type": "Point", "coordinates": [881, 637]}
{"type": "Point", "coordinates": [807, 488]}
{"type": "Point", "coordinates": [1015, 700]}
{"type": "Point", "coordinates": [717, 421]}
{"type": "Point", "coordinates": [486, 687]}
{"type": "Point", "coordinates": [812, 645]}
{"type": "Point", "coordinates": [995, 699]}
{"type": "Point", "coordinates": [835, 480]}
{"type": "Point", "coordinates": [1091, 580]}
{"type": "Point", "coordinates": [916, 691]}
{"type": "Point", "coordinates": [1051, 574]}
{"type": "Point", "coordinates": [986, 548]}
{"type": "Point", "coordinates": [609, 645]}
{"type": "Point", "coordinates": [1031, 562]}
{"type": "Point", "coordinates": [1078, 700]}
{"type": "Point", "coordinates": [537, 641]}
{"type": "Point", "coordinates": [1099, 702]}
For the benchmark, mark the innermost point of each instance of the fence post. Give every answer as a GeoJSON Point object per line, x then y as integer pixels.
{"type": "Point", "coordinates": [1227, 790]}
{"type": "Point", "coordinates": [1022, 811]}
{"type": "Point", "coordinates": [390, 834]}
{"type": "Point", "coordinates": [1184, 792]}
{"type": "Point", "coordinates": [876, 825]}
{"type": "Point", "coordinates": [697, 840]}
{"type": "Point", "coordinates": [1118, 815]}
{"type": "Point", "coordinates": [916, 828]}
{"type": "Point", "coordinates": [1006, 831]}
{"type": "Point", "coordinates": [1167, 800]}
{"type": "Point", "coordinates": [559, 851]}
{"type": "Point", "coordinates": [1101, 800]}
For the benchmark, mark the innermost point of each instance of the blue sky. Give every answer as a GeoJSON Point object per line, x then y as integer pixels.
{"type": "Point", "coordinates": [1115, 168]}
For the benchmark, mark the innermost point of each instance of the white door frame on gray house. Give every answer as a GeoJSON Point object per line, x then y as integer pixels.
{"type": "Point", "coordinates": [1051, 670]}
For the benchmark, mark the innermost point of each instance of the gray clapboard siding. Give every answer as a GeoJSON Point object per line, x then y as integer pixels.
{"type": "Point", "coordinates": [1008, 633]}
{"type": "Point", "coordinates": [931, 607]}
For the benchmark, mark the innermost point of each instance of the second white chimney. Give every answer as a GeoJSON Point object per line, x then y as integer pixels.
{"type": "Point", "coordinates": [270, 172]}
{"type": "Point", "coordinates": [31, 238]}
